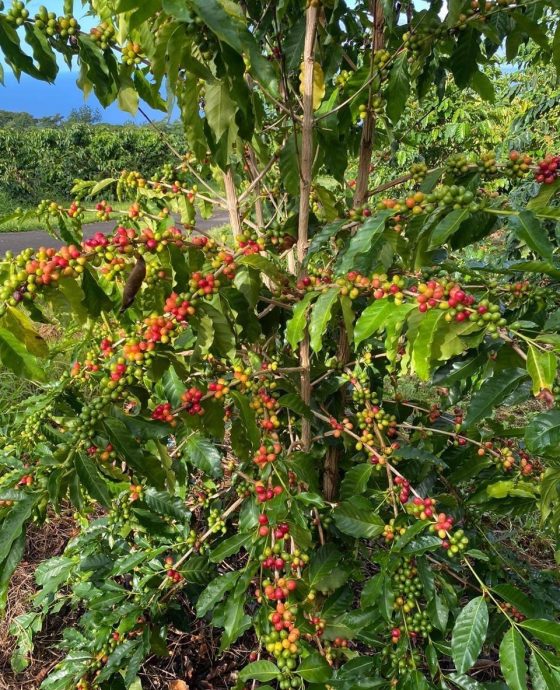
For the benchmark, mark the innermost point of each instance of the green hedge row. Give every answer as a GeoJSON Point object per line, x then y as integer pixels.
{"type": "Point", "coordinates": [43, 163]}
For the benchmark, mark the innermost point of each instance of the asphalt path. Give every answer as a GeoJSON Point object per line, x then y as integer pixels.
{"type": "Point", "coordinates": [18, 241]}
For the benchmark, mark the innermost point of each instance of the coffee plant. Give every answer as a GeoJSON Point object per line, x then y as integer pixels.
{"type": "Point", "coordinates": [318, 429]}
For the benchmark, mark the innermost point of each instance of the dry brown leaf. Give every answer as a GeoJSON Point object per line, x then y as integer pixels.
{"type": "Point", "coordinates": [178, 685]}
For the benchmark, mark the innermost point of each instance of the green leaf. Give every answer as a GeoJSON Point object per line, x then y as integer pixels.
{"type": "Point", "coordinates": [126, 445]}
{"type": "Point", "coordinates": [465, 682]}
{"type": "Point", "coordinates": [363, 240]}
{"type": "Point", "coordinates": [376, 317]}
{"type": "Point", "coordinates": [398, 88]}
{"type": "Point", "coordinates": [425, 341]}
{"type": "Point", "coordinates": [250, 428]}
{"type": "Point", "coordinates": [355, 480]}
{"type": "Point", "coordinates": [295, 328]}
{"type": "Point", "coordinates": [22, 327]}
{"type": "Point", "coordinates": [545, 194]}
{"type": "Point", "coordinates": [542, 368]}
{"type": "Point", "coordinates": [204, 455]}
{"type": "Point", "coordinates": [215, 592]}
{"type": "Point", "coordinates": [42, 52]}
{"type": "Point", "coordinates": [12, 525]}
{"type": "Point", "coordinates": [262, 670]}
{"type": "Point", "coordinates": [8, 567]}
{"type": "Point", "coordinates": [512, 660]}
{"type": "Point", "coordinates": [229, 27]}
{"type": "Point", "coordinates": [483, 86]}
{"type": "Point", "coordinates": [14, 356]}
{"type": "Point", "coordinates": [294, 402]}
{"type": "Point", "coordinates": [514, 596]}
{"type": "Point", "coordinates": [542, 434]}
{"type": "Point", "coordinates": [229, 547]}
{"type": "Point", "coordinates": [492, 393]}
{"type": "Point", "coordinates": [447, 227]}
{"type": "Point", "coordinates": [165, 504]}
{"type": "Point", "coordinates": [469, 633]}
{"type": "Point", "coordinates": [463, 61]}
{"type": "Point", "coordinates": [320, 317]}
{"type": "Point", "coordinates": [220, 109]}
{"type": "Point", "coordinates": [357, 518]}
{"type": "Point", "coordinates": [325, 560]}
{"type": "Point", "coordinates": [314, 669]}
{"type": "Point", "coordinates": [527, 228]}
{"type": "Point", "coordinates": [92, 480]}
{"type": "Point", "coordinates": [556, 51]}
{"type": "Point", "coordinates": [542, 674]}
{"type": "Point", "coordinates": [95, 298]}
{"type": "Point", "coordinates": [545, 631]}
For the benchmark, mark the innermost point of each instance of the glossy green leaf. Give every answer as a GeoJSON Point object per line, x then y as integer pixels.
{"type": "Point", "coordinates": [357, 518]}
{"type": "Point", "coordinates": [215, 592]}
{"type": "Point", "coordinates": [15, 356]}
{"type": "Point", "coordinates": [92, 480]}
{"type": "Point", "coordinates": [314, 669]}
{"type": "Point", "coordinates": [544, 630]}
{"type": "Point", "coordinates": [542, 434]}
{"type": "Point", "coordinates": [512, 660]}
{"type": "Point", "coordinates": [541, 366]}
{"type": "Point", "coordinates": [469, 633]}
{"type": "Point", "coordinates": [447, 227]}
{"type": "Point", "coordinates": [492, 393]}
{"type": "Point", "coordinates": [262, 670]}
{"type": "Point", "coordinates": [320, 317]}
{"type": "Point", "coordinates": [363, 240]}
{"type": "Point", "coordinates": [529, 230]}
{"type": "Point", "coordinates": [296, 326]}
{"type": "Point", "coordinates": [204, 455]}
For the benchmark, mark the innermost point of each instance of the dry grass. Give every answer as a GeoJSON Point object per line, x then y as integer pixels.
{"type": "Point", "coordinates": [43, 542]}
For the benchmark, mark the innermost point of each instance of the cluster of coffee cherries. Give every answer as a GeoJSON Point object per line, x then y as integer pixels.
{"type": "Point", "coordinates": [283, 645]}
{"type": "Point", "coordinates": [487, 163]}
{"type": "Point", "coordinates": [512, 612]}
{"type": "Point", "coordinates": [17, 13]}
{"type": "Point", "coordinates": [103, 34]}
{"type": "Point", "coordinates": [191, 401]}
{"type": "Point", "coordinates": [376, 105]}
{"type": "Point", "coordinates": [548, 170]}
{"type": "Point", "coordinates": [423, 508]}
{"type": "Point", "coordinates": [339, 427]}
{"type": "Point", "coordinates": [418, 171]}
{"type": "Point", "coordinates": [407, 586]}
{"type": "Point", "coordinates": [135, 492]}
{"type": "Point", "coordinates": [106, 454]}
{"type": "Point", "coordinates": [164, 413]}
{"type": "Point", "coordinates": [103, 210]}
{"type": "Point", "coordinates": [403, 489]}
{"type": "Point", "coordinates": [390, 530]}
{"type": "Point", "coordinates": [26, 480]}
{"type": "Point", "coordinates": [132, 53]}
{"type": "Point", "coordinates": [204, 285]}
{"type": "Point", "coordinates": [267, 452]}
{"type": "Point", "coordinates": [274, 558]}
{"type": "Point", "coordinates": [173, 575]}
{"type": "Point", "coordinates": [216, 523]}
{"type": "Point", "coordinates": [265, 494]}
{"type": "Point", "coordinates": [517, 164]}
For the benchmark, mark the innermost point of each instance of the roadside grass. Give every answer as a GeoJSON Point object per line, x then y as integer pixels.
{"type": "Point", "coordinates": [33, 223]}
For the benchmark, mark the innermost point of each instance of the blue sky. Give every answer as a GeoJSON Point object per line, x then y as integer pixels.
{"type": "Point", "coordinates": [42, 99]}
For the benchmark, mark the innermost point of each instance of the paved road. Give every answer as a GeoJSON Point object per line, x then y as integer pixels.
{"type": "Point", "coordinates": [17, 241]}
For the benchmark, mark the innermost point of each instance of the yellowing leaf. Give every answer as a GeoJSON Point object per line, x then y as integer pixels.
{"type": "Point", "coordinates": [318, 83]}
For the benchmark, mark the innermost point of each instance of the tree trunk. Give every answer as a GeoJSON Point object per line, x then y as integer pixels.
{"type": "Point", "coordinates": [306, 165]}
{"type": "Point", "coordinates": [366, 146]}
